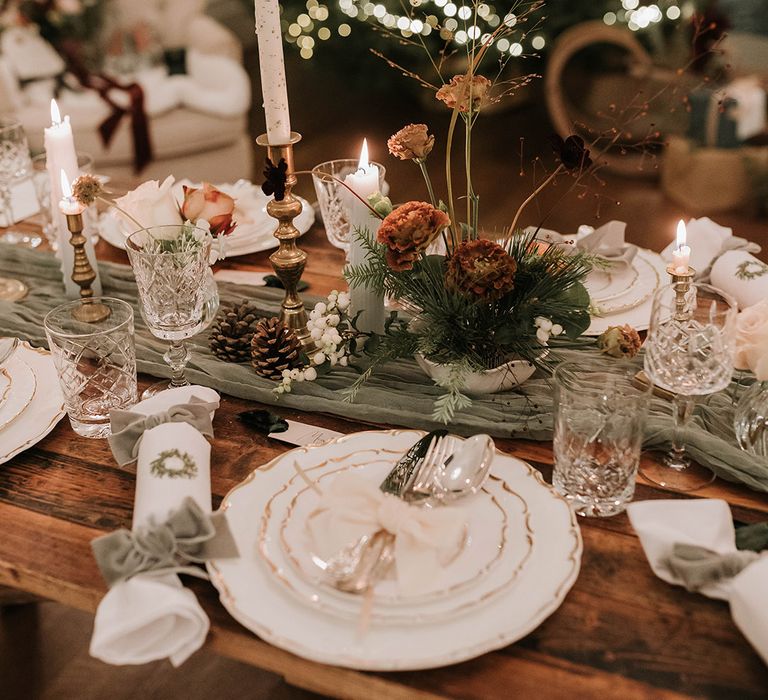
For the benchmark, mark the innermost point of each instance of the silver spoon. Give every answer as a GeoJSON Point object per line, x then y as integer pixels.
{"type": "Point", "coordinates": [465, 471]}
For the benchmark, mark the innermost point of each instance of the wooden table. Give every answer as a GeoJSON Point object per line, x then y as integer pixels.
{"type": "Point", "coordinates": [621, 632]}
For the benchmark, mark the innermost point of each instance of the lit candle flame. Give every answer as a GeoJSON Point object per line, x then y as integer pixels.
{"type": "Point", "coordinates": [363, 162]}
{"type": "Point", "coordinates": [55, 114]}
{"type": "Point", "coordinates": [681, 234]}
{"type": "Point", "coordinates": [66, 189]}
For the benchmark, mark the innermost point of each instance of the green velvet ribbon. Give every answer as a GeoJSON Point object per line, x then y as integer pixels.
{"type": "Point", "coordinates": [128, 427]}
{"type": "Point", "coordinates": [187, 536]}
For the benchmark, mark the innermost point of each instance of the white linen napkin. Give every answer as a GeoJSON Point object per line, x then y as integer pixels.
{"type": "Point", "coordinates": [146, 618]}
{"type": "Point", "coordinates": [742, 275]}
{"type": "Point", "coordinates": [661, 524]}
{"type": "Point", "coordinates": [708, 241]}
{"type": "Point", "coordinates": [152, 616]}
{"type": "Point", "coordinates": [426, 539]}
{"type": "Point", "coordinates": [606, 242]}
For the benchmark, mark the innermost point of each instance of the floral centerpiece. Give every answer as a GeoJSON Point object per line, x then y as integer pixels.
{"type": "Point", "coordinates": [481, 309]}
{"type": "Point", "coordinates": [490, 303]}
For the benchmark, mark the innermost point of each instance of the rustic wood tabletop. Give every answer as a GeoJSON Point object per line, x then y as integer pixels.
{"type": "Point", "coordinates": [621, 632]}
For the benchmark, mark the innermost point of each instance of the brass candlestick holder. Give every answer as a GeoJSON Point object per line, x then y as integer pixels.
{"type": "Point", "coordinates": [682, 284]}
{"type": "Point", "coordinates": [83, 274]}
{"type": "Point", "coordinates": [288, 260]}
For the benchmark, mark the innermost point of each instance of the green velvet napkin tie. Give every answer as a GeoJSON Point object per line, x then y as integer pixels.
{"type": "Point", "coordinates": [129, 427]}
{"type": "Point", "coordinates": [188, 535]}
{"type": "Point", "coordinates": [698, 567]}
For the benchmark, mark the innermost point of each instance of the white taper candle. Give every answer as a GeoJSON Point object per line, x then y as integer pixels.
{"type": "Point", "coordinates": [272, 68]}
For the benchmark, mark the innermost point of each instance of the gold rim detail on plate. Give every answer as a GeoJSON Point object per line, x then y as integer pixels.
{"type": "Point", "coordinates": [607, 310]}
{"type": "Point", "coordinates": [7, 391]}
{"type": "Point", "coordinates": [60, 412]}
{"type": "Point", "coordinates": [633, 283]}
{"type": "Point", "coordinates": [28, 402]}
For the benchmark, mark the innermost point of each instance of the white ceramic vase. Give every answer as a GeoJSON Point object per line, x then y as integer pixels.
{"type": "Point", "coordinates": [490, 381]}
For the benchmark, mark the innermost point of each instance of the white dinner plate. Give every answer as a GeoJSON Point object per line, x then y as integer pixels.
{"type": "Point", "coordinates": [606, 285]}
{"type": "Point", "coordinates": [637, 315]}
{"type": "Point", "coordinates": [249, 590]}
{"type": "Point", "coordinates": [45, 410]}
{"type": "Point", "coordinates": [498, 545]}
{"type": "Point", "coordinates": [23, 386]}
{"type": "Point", "coordinates": [255, 228]}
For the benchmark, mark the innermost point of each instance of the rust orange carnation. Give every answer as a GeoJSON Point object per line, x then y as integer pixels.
{"type": "Point", "coordinates": [481, 268]}
{"type": "Point", "coordinates": [412, 142]}
{"type": "Point", "coordinates": [459, 91]}
{"type": "Point", "coordinates": [408, 231]}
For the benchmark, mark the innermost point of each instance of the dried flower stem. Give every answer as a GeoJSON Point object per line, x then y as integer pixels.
{"type": "Point", "coordinates": [530, 198]}
{"type": "Point", "coordinates": [448, 179]}
{"type": "Point", "coordinates": [111, 203]}
{"type": "Point", "coordinates": [423, 167]}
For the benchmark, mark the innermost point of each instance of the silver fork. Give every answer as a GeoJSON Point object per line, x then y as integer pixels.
{"type": "Point", "coordinates": [419, 486]}
{"type": "Point", "coordinates": [7, 348]}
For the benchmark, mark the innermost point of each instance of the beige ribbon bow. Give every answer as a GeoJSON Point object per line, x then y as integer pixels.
{"type": "Point", "coordinates": [425, 538]}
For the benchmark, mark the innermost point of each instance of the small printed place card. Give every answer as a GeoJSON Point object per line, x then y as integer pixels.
{"type": "Point", "coordinates": [302, 434]}
{"type": "Point", "coordinates": [23, 203]}
{"type": "Point", "coordinates": [255, 279]}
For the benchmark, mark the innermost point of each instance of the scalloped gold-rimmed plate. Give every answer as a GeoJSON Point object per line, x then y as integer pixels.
{"type": "Point", "coordinates": [498, 544]}
{"type": "Point", "coordinates": [23, 386]}
{"type": "Point", "coordinates": [43, 413]}
{"type": "Point", "coordinates": [248, 590]}
{"type": "Point", "coordinates": [637, 315]}
{"type": "Point", "coordinates": [606, 285]}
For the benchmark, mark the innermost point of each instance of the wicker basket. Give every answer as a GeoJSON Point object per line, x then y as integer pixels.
{"type": "Point", "coordinates": [706, 180]}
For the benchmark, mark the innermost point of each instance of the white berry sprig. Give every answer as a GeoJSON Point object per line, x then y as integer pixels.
{"type": "Point", "coordinates": [330, 327]}
{"type": "Point", "coordinates": [545, 328]}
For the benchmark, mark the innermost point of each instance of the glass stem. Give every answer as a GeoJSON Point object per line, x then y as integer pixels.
{"type": "Point", "coordinates": [683, 410]}
{"type": "Point", "coordinates": [177, 357]}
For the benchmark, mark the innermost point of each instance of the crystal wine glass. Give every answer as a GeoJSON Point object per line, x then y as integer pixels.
{"type": "Point", "coordinates": [15, 164]}
{"type": "Point", "coordinates": [170, 264]}
{"type": "Point", "coordinates": [689, 351]}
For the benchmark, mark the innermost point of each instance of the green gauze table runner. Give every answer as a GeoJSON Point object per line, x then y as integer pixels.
{"type": "Point", "coordinates": [398, 394]}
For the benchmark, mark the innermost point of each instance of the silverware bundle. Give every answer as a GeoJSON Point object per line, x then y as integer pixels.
{"type": "Point", "coordinates": [421, 475]}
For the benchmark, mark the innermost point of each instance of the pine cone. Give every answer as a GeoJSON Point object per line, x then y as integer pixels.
{"type": "Point", "coordinates": [232, 332]}
{"type": "Point", "coordinates": [274, 348]}
{"type": "Point", "coordinates": [481, 268]}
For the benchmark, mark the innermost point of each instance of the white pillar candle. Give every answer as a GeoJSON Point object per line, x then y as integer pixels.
{"type": "Point", "coordinates": [60, 155]}
{"type": "Point", "coordinates": [364, 182]}
{"type": "Point", "coordinates": [272, 68]}
{"type": "Point", "coordinates": [682, 254]}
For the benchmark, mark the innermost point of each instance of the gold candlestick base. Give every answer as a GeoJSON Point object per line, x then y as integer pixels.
{"type": "Point", "coordinates": [83, 274]}
{"type": "Point", "coordinates": [288, 260]}
{"type": "Point", "coordinates": [682, 283]}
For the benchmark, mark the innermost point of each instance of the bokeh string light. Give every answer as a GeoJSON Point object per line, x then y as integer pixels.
{"type": "Point", "coordinates": [451, 21]}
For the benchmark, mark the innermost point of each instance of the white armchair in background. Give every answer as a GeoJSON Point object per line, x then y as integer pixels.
{"type": "Point", "coordinates": [198, 122]}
